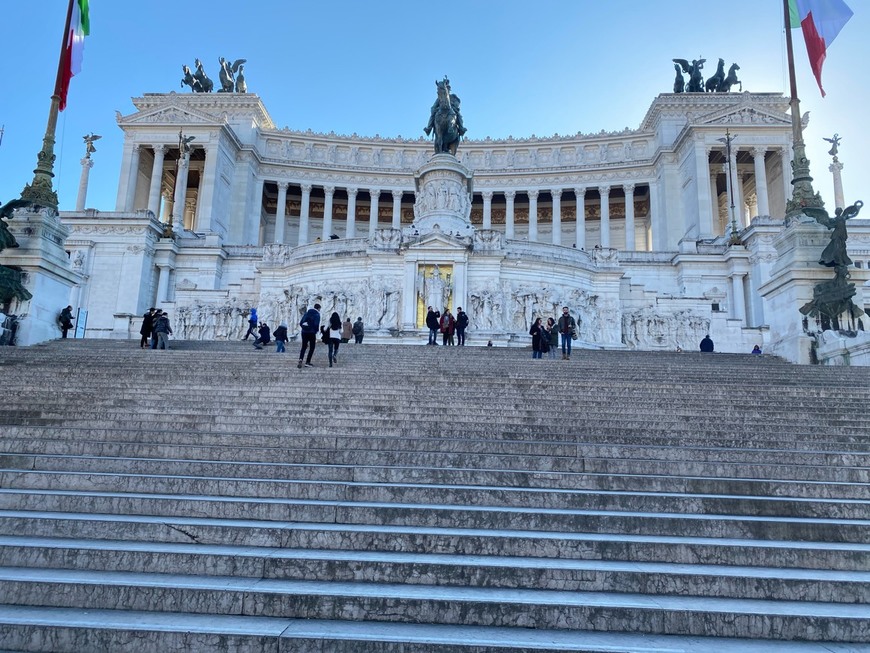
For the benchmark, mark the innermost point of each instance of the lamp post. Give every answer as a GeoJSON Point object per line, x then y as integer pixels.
{"type": "Point", "coordinates": [729, 137]}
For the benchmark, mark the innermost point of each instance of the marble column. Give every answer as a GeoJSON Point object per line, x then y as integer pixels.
{"type": "Point", "coordinates": [509, 197]}
{"type": "Point", "coordinates": [397, 209]}
{"type": "Point", "coordinates": [156, 179]}
{"type": "Point", "coordinates": [730, 199]}
{"type": "Point", "coordinates": [580, 227]}
{"type": "Point", "coordinates": [281, 212]}
{"type": "Point", "coordinates": [132, 181]}
{"type": "Point", "coordinates": [180, 200]}
{"type": "Point", "coordinates": [761, 181]}
{"type": "Point", "coordinates": [738, 298]}
{"type": "Point", "coordinates": [81, 198]}
{"type": "Point", "coordinates": [253, 228]}
{"type": "Point", "coordinates": [373, 211]}
{"type": "Point", "coordinates": [785, 157]}
{"type": "Point", "coordinates": [835, 169]}
{"type": "Point", "coordinates": [163, 284]}
{"type": "Point", "coordinates": [604, 191]}
{"type": "Point", "coordinates": [533, 216]}
{"type": "Point", "coordinates": [351, 213]}
{"type": "Point", "coordinates": [328, 193]}
{"type": "Point", "coordinates": [705, 206]}
{"type": "Point", "coordinates": [739, 181]}
{"type": "Point", "coordinates": [630, 245]}
{"type": "Point", "coordinates": [487, 209]}
{"type": "Point", "coordinates": [556, 194]}
{"type": "Point", "coordinates": [657, 228]}
{"type": "Point", "coordinates": [304, 216]}
{"type": "Point", "coordinates": [714, 197]}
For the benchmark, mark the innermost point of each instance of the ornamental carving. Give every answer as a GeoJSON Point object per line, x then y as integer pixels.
{"type": "Point", "coordinates": [650, 328]}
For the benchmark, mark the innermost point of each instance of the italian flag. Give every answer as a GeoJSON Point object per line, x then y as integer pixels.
{"type": "Point", "coordinates": [821, 21]}
{"type": "Point", "coordinates": [73, 48]}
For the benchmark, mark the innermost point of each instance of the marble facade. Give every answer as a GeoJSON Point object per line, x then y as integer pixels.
{"type": "Point", "coordinates": [627, 228]}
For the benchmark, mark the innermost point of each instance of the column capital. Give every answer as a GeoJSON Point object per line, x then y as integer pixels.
{"type": "Point", "coordinates": [374, 192]}
{"type": "Point", "coordinates": [351, 192]}
{"type": "Point", "coordinates": [159, 149]}
{"type": "Point", "coordinates": [398, 194]}
{"type": "Point", "coordinates": [758, 152]}
{"type": "Point", "coordinates": [282, 185]}
{"type": "Point", "coordinates": [556, 193]}
{"type": "Point", "coordinates": [89, 163]}
{"type": "Point", "coordinates": [580, 191]}
{"type": "Point", "coordinates": [510, 194]}
{"type": "Point", "coordinates": [487, 195]}
{"type": "Point", "coordinates": [306, 188]}
{"type": "Point", "coordinates": [836, 165]}
{"type": "Point", "coordinates": [136, 147]}
{"type": "Point", "coordinates": [533, 194]}
{"type": "Point", "coordinates": [328, 190]}
{"type": "Point", "coordinates": [604, 191]}
{"type": "Point", "coordinates": [628, 188]}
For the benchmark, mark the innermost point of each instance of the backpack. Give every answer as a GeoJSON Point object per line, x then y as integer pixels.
{"type": "Point", "coordinates": [357, 327]}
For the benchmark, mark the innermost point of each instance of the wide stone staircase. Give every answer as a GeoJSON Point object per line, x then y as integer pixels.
{"type": "Point", "coordinates": [416, 499]}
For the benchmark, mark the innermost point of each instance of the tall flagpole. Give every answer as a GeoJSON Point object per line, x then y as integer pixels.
{"type": "Point", "coordinates": [39, 191]}
{"type": "Point", "coordinates": [804, 199]}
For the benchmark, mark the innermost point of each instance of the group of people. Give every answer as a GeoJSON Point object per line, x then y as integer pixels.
{"type": "Point", "coordinates": [546, 336]}
{"type": "Point", "coordinates": [155, 329]}
{"type": "Point", "coordinates": [452, 328]}
{"type": "Point", "coordinates": [332, 334]}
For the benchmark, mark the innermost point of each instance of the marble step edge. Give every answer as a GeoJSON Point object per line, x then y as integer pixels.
{"type": "Point", "coordinates": [766, 619]}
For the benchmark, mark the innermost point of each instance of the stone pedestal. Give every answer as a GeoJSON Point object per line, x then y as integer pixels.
{"type": "Point", "coordinates": [46, 270]}
{"type": "Point", "coordinates": [443, 188]}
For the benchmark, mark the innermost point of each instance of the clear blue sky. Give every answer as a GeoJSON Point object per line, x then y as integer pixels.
{"type": "Point", "coordinates": [521, 68]}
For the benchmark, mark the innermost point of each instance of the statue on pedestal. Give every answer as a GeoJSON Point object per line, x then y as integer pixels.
{"type": "Point", "coordinates": [11, 286]}
{"type": "Point", "coordinates": [445, 119]}
{"type": "Point", "coordinates": [696, 79]}
{"type": "Point", "coordinates": [228, 74]}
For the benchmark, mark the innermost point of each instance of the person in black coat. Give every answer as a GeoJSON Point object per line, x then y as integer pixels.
{"type": "Point", "coordinates": [265, 336]}
{"type": "Point", "coordinates": [433, 321]}
{"type": "Point", "coordinates": [707, 345]}
{"type": "Point", "coordinates": [147, 328]}
{"type": "Point", "coordinates": [461, 326]}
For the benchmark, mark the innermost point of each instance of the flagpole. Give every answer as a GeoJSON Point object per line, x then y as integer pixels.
{"type": "Point", "coordinates": [804, 199]}
{"type": "Point", "coordinates": [39, 191]}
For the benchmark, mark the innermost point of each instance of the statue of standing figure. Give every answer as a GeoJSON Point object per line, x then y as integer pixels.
{"type": "Point", "coordinates": [228, 74]}
{"type": "Point", "coordinates": [445, 119]}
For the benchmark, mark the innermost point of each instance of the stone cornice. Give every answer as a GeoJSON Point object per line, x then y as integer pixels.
{"type": "Point", "coordinates": [217, 107]}
{"type": "Point", "coordinates": [681, 105]}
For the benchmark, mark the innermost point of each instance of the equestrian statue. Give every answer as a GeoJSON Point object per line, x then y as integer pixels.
{"type": "Point", "coordinates": [445, 119]}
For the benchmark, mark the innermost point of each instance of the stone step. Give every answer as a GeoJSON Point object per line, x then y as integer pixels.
{"type": "Point", "coordinates": [545, 609]}
{"type": "Point", "coordinates": [466, 496]}
{"type": "Point", "coordinates": [66, 630]}
{"type": "Point", "coordinates": [820, 555]}
{"type": "Point", "coordinates": [439, 569]}
{"type": "Point", "coordinates": [442, 515]}
{"type": "Point", "coordinates": [435, 476]}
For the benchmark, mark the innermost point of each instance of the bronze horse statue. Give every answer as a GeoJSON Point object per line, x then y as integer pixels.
{"type": "Point", "coordinates": [444, 121]}
{"type": "Point", "coordinates": [730, 80]}
{"type": "Point", "coordinates": [715, 82]}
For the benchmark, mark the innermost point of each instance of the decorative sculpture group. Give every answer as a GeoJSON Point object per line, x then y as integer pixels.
{"type": "Point", "coordinates": [718, 83]}
{"type": "Point", "coordinates": [231, 76]}
{"type": "Point", "coordinates": [11, 286]}
{"type": "Point", "coordinates": [445, 119]}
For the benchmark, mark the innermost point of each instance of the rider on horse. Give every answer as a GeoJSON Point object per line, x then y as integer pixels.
{"type": "Point", "coordinates": [454, 103]}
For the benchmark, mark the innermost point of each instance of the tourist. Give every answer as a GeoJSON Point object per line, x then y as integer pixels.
{"type": "Point", "coordinates": [65, 320]}
{"type": "Point", "coordinates": [147, 326]}
{"type": "Point", "coordinates": [489, 343]}
{"type": "Point", "coordinates": [538, 337]}
{"type": "Point", "coordinates": [461, 326]}
{"type": "Point", "coordinates": [346, 331]}
{"type": "Point", "coordinates": [264, 338]}
{"type": "Point", "coordinates": [252, 324]}
{"type": "Point", "coordinates": [756, 350]}
{"type": "Point", "coordinates": [280, 338]}
{"type": "Point", "coordinates": [310, 324]}
{"type": "Point", "coordinates": [334, 338]}
{"type": "Point", "coordinates": [448, 327]}
{"type": "Point", "coordinates": [157, 315]}
{"type": "Point", "coordinates": [432, 321]}
{"type": "Point", "coordinates": [163, 330]}
{"type": "Point", "coordinates": [707, 344]}
{"type": "Point", "coordinates": [358, 331]}
{"type": "Point", "coordinates": [552, 336]}
{"type": "Point", "coordinates": [568, 331]}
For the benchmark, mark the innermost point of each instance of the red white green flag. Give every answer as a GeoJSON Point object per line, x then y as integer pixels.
{"type": "Point", "coordinates": [73, 48]}
{"type": "Point", "coordinates": [821, 21]}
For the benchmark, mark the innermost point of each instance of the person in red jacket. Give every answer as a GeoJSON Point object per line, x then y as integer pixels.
{"type": "Point", "coordinates": [448, 327]}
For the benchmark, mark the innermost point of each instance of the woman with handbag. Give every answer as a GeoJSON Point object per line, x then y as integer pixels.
{"type": "Point", "coordinates": [334, 335]}
{"type": "Point", "coordinates": [539, 338]}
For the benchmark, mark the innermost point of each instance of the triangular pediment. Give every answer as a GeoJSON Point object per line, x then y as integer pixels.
{"type": "Point", "coordinates": [438, 240]}
{"type": "Point", "coordinates": [169, 114]}
{"type": "Point", "coordinates": [745, 114]}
